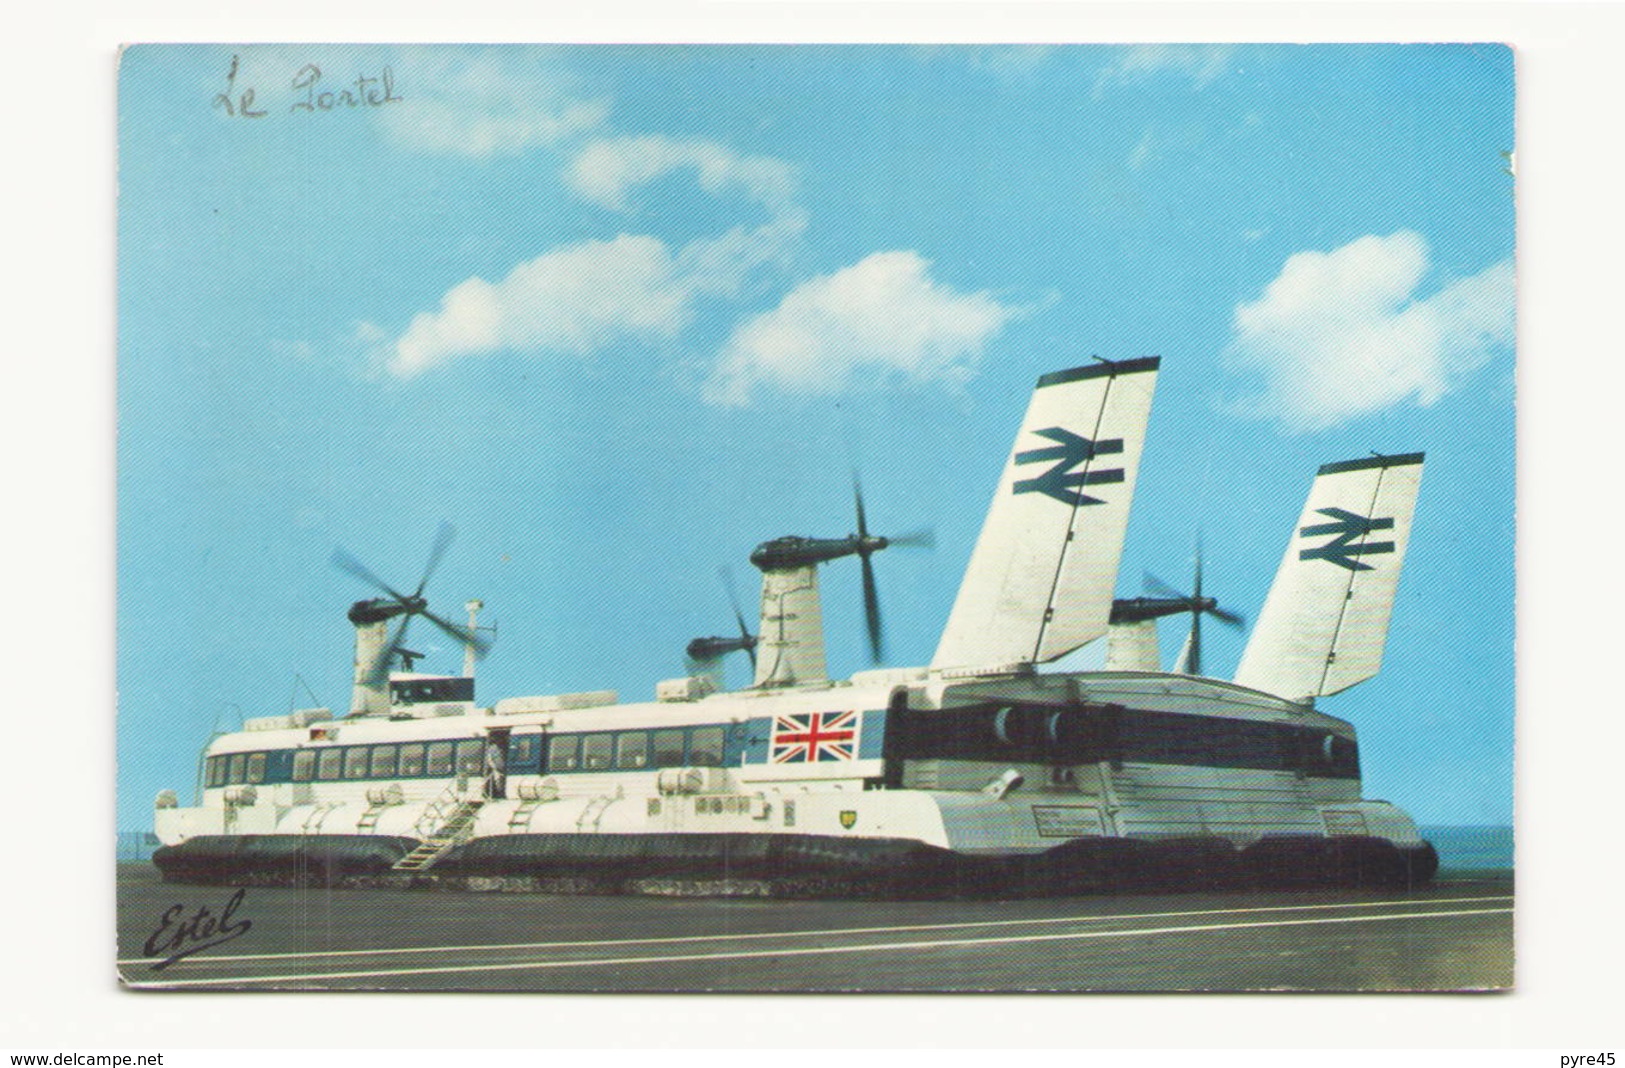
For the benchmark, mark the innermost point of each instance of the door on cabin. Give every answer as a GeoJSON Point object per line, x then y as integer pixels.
{"type": "Point", "coordinates": [496, 764]}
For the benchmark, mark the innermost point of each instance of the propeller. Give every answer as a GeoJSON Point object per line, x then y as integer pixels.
{"type": "Point", "coordinates": [1197, 605]}
{"type": "Point", "coordinates": [871, 592]}
{"type": "Point", "coordinates": [866, 546]}
{"type": "Point", "coordinates": [793, 551]}
{"type": "Point", "coordinates": [703, 653]}
{"type": "Point", "coordinates": [406, 605]}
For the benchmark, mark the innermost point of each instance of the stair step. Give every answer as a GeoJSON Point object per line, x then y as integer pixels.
{"type": "Point", "coordinates": [442, 840]}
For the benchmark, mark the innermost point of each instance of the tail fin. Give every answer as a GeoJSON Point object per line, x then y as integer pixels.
{"type": "Point", "coordinates": [1041, 577]}
{"type": "Point", "coordinates": [1326, 619]}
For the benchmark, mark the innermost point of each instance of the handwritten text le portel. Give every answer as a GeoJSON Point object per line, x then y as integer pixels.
{"type": "Point", "coordinates": [310, 92]}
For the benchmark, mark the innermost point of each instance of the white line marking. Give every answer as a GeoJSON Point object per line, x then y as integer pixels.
{"type": "Point", "coordinates": [749, 936]}
{"type": "Point", "coordinates": [745, 954]}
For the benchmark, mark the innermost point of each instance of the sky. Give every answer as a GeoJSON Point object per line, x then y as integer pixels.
{"type": "Point", "coordinates": [621, 313]}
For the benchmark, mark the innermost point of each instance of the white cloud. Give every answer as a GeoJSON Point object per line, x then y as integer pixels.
{"type": "Point", "coordinates": [1199, 63]}
{"type": "Point", "coordinates": [571, 299]}
{"type": "Point", "coordinates": [485, 102]}
{"type": "Point", "coordinates": [719, 265]}
{"type": "Point", "coordinates": [883, 314]}
{"type": "Point", "coordinates": [582, 297]}
{"type": "Point", "coordinates": [606, 170]}
{"type": "Point", "coordinates": [1342, 334]}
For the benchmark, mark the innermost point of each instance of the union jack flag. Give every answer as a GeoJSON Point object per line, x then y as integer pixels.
{"type": "Point", "coordinates": [814, 737]}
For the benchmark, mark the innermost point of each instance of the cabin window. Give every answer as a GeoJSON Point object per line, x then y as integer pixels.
{"type": "Point", "coordinates": [256, 767]}
{"type": "Point", "coordinates": [522, 754]}
{"type": "Point", "coordinates": [668, 748]}
{"type": "Point", "coordinates": [564, 752]}
{"type": "Point", "coordinates": [632, 750]}
{"type": "Point", "coordinates": [384, 758]}
{"type": "Point", "coordinates": [355, 762]}
{"type": "Point", "coordinates": [234, 770]}
{"type": "Point", "coordinates": [595, 751]}
{"type": "Point", "coordinates": [439, 759]}
{"type": "Point", "coordinates": [214, 773]}
{"type": "Point", "coordinates": [705, 747]}
{"type": "Point", "coordinates": [329, 763]}
{"type": "Point", "coordinates": [412, 758]}
{"type": "Point", "coordinates": [471, 757]}
{"type": "Point", "coordinates": [304, 765]}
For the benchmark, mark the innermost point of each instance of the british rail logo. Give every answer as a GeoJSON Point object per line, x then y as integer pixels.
{"type": "Point", "coordinates": [1061, 482]}
{"type": "Point", "coordinates": [1345, 527]}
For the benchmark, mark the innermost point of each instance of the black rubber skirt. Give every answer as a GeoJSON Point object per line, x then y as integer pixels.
{"type": "Point", "coordinates": [796, 865]}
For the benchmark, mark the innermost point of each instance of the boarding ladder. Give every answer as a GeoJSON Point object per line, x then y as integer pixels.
{"type": "Point", "coordinates": [593, 813]}
{"type": "Point", "coordinates": [520, 820]}
{"type": "Point", "coordinates": [448, 822]}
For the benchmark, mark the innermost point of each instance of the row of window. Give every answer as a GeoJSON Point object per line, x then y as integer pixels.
{"type": "Point", "coordinates": [392, 761]}
{"type": "Point", "coordinates": [631, 750]}
{"type": "Point", "coordinates": [522, 755]}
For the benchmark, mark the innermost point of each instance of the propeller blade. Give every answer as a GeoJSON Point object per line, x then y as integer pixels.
{"type": "Point", "coordinates": [733, 601]}
{"type": "Point", "coordinates": [462, 634]}
{"type": "Point", "coordinates": [871, 612]}
{"type": "Point", "coordinates": [1156, 586]}
{"type": "Point", "coordinates": [857, 494]}
{"type": "Point", "coordinates": [1196, 643]}
{"type": "Point", "coordinates": [350, 565]}
{"type": "Point", "coordinates": [1234, 619]}
{"type": "Point", "coordinates": [739, 616]}
{"type": "Point", "coordinates": [378, 674]}
{"type": "Point", "coordinates": [442, 539]}
{"type": "Point", "coordinates": [915, 539]}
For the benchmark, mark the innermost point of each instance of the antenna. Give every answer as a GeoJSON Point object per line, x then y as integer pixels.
{"type": "Point", "coordinates": [470, 650]}
{"type": "Point", "coordinates": [293, 696]}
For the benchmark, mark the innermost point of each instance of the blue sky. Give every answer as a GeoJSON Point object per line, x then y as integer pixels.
{"type": "Point", "coordinates": [621, 313]}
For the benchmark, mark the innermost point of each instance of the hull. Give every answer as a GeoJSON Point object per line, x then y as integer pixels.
{"type": "Point", "coordinates": [804, 865]}
{"type": "Point", "coordinates": [1009, 786]}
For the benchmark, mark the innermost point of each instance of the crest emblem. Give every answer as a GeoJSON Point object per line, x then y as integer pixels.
{"type": "Point", "coordinates": [849, 818]}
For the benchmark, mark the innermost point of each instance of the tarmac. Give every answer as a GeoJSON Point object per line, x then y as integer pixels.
{"type": "Point", "coordinates": [1453, 935]}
